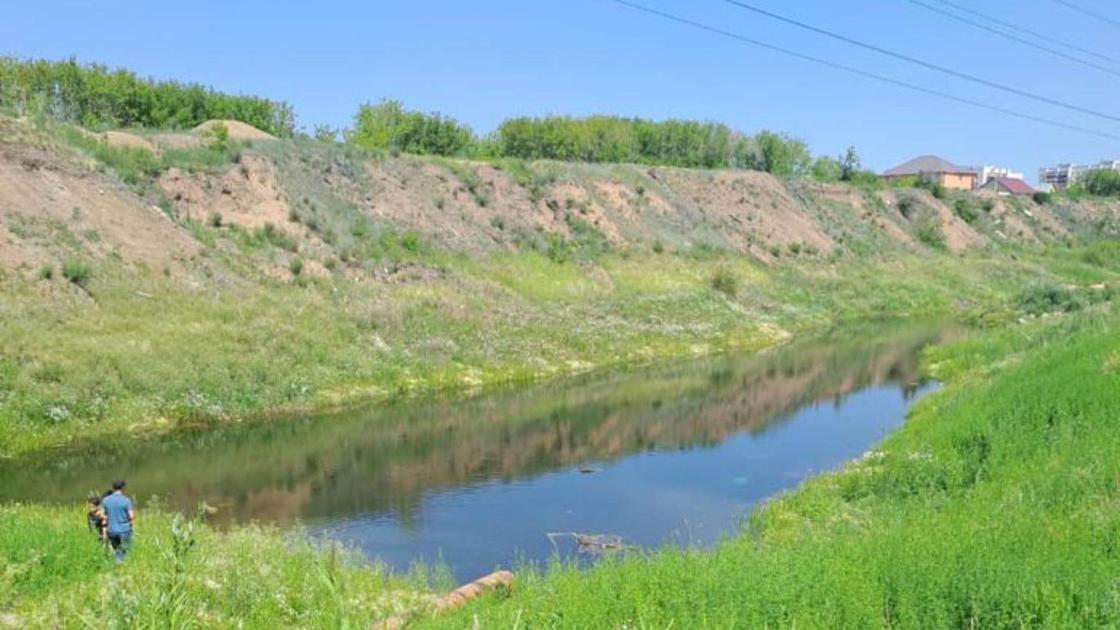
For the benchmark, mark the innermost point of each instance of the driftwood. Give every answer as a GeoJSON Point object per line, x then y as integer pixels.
{"type": "Point", "coordinates": [457, 597]}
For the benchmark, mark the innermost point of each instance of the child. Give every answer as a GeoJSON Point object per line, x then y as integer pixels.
{"type": "Point", "coordinates": [95, 517]}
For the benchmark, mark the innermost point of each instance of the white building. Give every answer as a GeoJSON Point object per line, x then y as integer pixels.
{"type": "Point", "coordinates": [986, 173]}
{"type": "Point", "coordinates": [1063, 175]}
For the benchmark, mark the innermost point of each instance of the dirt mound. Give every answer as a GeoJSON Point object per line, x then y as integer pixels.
{"type": "Point", "coordinates": [126, 140]}
{"type": "Point", "coordinates": [237, 130]}
{"type": "Point", "coordinates": [52, 209]}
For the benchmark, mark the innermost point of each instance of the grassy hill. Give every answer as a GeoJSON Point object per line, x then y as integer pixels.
{"type": "Point", "coordinates": [159, 279]}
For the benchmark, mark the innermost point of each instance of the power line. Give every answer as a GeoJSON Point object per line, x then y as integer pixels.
{"type": "Point", "coordinates": [1094, 14]}
{"type": "Point", "coordinates": [925, 64]}
{"type": "Point", "coordinates": [1027, 31]}
{"type": "Point", "coordinates": [863, 73]}
{"type": "Point", "coordinates": [1016, 38]}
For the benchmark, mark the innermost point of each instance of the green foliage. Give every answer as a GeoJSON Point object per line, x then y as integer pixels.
{"type": "Point", "coordinates": [215, 219]}
{"type": "Point", "coordinates": [907, 205]}
{"type": "Point", "coordinates": [1102, 182]}
{"type": "Point", "coordinates": [781, 154]}
{"type": "Point", "coordinates": [826, 169]}
{"type": "Point", "coordinates": [296, 266]}
{"type": "Point", "coordinates": [672, 143]}
{"type": "Point", "coordinates": [76, 271]}
{"type": "Point", "coordinates": [929, 232]}
{"type": "Point", "coordinates": [559, 249]}
{"type": "Point", "coordinates": [964, 209]}
{"type": "Point", "coordinates": [725, 281]}
{"type": "Point", "coordinates": [389, 126]}
{"type": "Point", "coordinates": [95, 96]}
{"type": "Point", "coordinates": [270, 235]}
{"type": "Point", "coordinates": [850, 164]}
{"type": "Point", "coordinates": [993, 506]}
{"type": "Point", "coordinates": [1041, 298]}
{"type": "Point", "coordinates": [1042, 198]}
{"type": "Point", "coordinates": [181, 574]}
{"type": "Point", "coordinates": [46, 271]}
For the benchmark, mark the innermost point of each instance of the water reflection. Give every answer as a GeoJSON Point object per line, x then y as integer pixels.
{"type": "Point", "coordinates": [454, 476]}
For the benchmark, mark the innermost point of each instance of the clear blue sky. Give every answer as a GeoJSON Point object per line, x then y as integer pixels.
{"type": "Point", "coordinates": [484, 60]}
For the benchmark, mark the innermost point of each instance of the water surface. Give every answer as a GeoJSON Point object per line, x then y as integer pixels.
{"type": "Point", "coordinates": [677, 454]}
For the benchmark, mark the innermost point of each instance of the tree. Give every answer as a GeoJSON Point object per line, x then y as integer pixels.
{"type": "Point", "coordinates": [849, 164]}
{"type": "Point", "coordinates": [1103, 182]}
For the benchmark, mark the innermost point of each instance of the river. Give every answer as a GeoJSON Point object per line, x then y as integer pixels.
{"type": "Point", "coordinates": [670, 455]}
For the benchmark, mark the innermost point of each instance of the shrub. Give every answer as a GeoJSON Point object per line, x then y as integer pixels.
{"type": "Point", "coordinates": [1103, 182]}
{"type": "Point", "coordinates": [725, 281]}
{"type": "Point", "coordinates": [964, 209]}
{"type": "Point", "coordinates": [826, 169]}
{"type": "Point", "coordinates": [658, 246]}
{"type": "Point", "coordinates": [906, 206]}
{"type": "Point", "coordinates": [988, 204]}
{"type": "Point", "coordinates": [559, 249]}
{"type": "Point", "coordinates": [410, 242]}
{"type": "Point", "coordinates": [1042, 198]}
{"type": "Point", "coordinates": [77, 272]}
{"type": "Point", "coordinates": [215, 219]}
{"type": "Point", "coordinates": [46, 272]}
{"type": "Point", "coordinates": [389, 126]}
{"type": "Point", "coordinates": [1048, 298]}
{"type": "Point", "coordinates": [929, 232]}
{"type": "Point", "coordinates": [296, 266]}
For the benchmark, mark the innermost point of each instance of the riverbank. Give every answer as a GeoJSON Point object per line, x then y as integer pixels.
{"type": "Point", "coordinates": [149, 358]}
{"type": "Point", "coordinates": [181, 573]}
{"type": "Point", "coordinates": [993, 506]}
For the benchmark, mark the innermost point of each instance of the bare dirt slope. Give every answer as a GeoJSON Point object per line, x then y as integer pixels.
{"type": "Point", "coordinates": [56, 204]}
{"type": "Point", "coordinates": [53, 208]}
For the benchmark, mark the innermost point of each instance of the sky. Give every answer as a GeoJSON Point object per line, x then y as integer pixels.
{"type": "Point", "coordinates": [484, 60]}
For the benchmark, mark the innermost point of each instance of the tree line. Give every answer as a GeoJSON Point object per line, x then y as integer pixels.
{"type": "Point", "coordinates": [96, 96]}
{"type": "Point", "coordinates": [685, 143]}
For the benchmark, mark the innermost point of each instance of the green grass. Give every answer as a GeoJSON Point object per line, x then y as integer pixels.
{"type": "Point", "coordinates": [144, 355]}
{"type": "Point", "coordinates": [996, 505]}
{"type": "Point", "coordinates": [182, 574]}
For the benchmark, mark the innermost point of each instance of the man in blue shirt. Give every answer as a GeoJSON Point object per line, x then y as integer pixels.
{"type": "Point", "coordinates": [119, 518]}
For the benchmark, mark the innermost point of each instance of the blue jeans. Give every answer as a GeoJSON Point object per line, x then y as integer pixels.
{"type": "Point", "coordinates": [120, 542]}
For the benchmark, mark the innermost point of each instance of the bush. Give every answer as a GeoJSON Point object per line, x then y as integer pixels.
{"type": "Point", "coordinates": [1042, 198]}
{"type": "Point", "coordinates": [77, 272]}
{"type": "Point", "coordinates": [559, 249]}
{"type": "Point", "coordinates": [215, 219]}
{"type": "Point", "coordinates": [906, 206]}
{"type": "Point", "coordinates": [725, 281]}
{"type": "Point", "coordinates": [296, 266]}
{"type": "Point", "coordinates": [1103, 182]}
{"type": "Point", "coordinates": [930, 233]}
{"type": "Point", "coordinates": [389, 126]}
{"type": "Point", "coordinates": [46, 272]}
{"type": "Point", "coordinates": [1049, 298]}
{"type": "Point", "coordinates": [964, 209]}
{"type": "Point", "coordinates": [826, 169]}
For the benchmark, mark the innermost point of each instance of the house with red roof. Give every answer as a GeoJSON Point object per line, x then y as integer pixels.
{"type": "Point", "coordinates": [1005, 186]}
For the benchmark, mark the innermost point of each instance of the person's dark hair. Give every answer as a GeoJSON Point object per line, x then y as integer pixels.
{"type": "Point", "coordinates": [118, 485]}
{"type": "Point", "coordinates": [94, 499]}
{"type": "Point", "coordinates": [106, 493]}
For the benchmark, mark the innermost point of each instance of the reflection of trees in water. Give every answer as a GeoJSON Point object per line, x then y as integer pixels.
{"type": "Point", "coordinates": [385, 459]}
